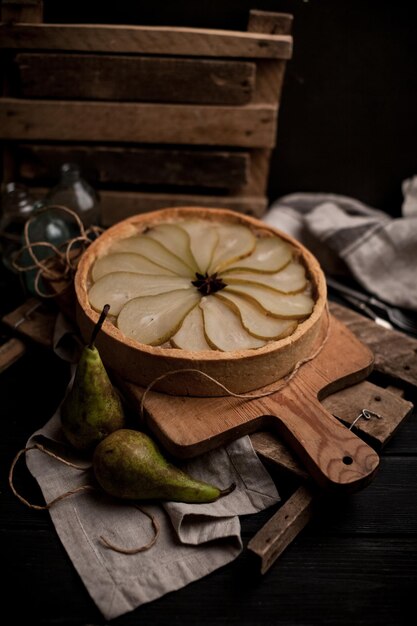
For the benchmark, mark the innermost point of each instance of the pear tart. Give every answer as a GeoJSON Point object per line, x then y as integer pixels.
{"type": "Point", "coordinates": [200, 289]}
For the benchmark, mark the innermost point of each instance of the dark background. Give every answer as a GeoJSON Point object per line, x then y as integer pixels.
{"type": "Point", "coordinates": [348, 118]}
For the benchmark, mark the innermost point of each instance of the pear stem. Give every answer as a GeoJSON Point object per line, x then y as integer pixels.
{"type": "Point", "coordinates": [228, 490]}
{"type": "Point", "coordinates": [99, 324]}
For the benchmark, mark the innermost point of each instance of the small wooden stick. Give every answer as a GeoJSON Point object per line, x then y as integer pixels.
{"type": "Point", "coordinates": [272, 539]}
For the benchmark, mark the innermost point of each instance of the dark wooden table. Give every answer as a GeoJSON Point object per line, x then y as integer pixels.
{"type": "Point", "coordinates": [354, 564]}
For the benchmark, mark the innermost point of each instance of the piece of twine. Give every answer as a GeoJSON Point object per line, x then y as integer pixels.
{"type": "Point", "coordinates": [61, 265]}
{"type": "Point", "coordinates": [247, 396]}
{"type": "Point", "coordinates": [71, 492]}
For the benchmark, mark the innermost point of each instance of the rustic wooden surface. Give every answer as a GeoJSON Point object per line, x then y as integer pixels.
{"type": "Point", "coordinates": [354, 562]}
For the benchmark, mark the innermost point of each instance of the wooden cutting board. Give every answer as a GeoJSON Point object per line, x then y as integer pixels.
{"type": "Point", "coordinates": [333, 455]}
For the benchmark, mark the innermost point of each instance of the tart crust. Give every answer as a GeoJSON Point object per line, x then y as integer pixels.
{"type": "Point", "coordinates": [239, 371]}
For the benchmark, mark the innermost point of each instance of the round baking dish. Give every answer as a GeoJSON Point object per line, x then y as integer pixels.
{"type": "Point", "coordinates": [240, 371]}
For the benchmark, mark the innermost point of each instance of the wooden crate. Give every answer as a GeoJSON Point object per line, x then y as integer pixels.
{"type": "Point", "coordinates": [155, 116]}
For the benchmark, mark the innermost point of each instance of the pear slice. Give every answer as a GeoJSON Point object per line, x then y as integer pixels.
{"type": "Point", "coordinates": [223, 327]}
{"type": "Point", "coordinates": [203, 240]}
{"type": "Point", "coordinates": [126, 262]}
{"type": "Point", "coordinates": [235, 242]}
{"type": "Point", "coordinates": [118, 288]}
{"type": "Point", "coordinates": [154, 251]}
{"type": "Point", "coordinates": [154, 319]}
{"type": "Point", "coordinates": [291, 279]}
{"type": "Point", "coordinates": [256, 321]}
{"type": "Point", "coordinates": [293, 306]}
{"type": "Point", "coordinates": [176, 240]}
{"type": "Point", "coordinates": [270, 255]}
{"type": "Point", "coordinates": [191, 334]}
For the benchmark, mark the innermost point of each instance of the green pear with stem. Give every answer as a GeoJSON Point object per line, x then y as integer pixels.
{"type": "Point", "coordinates": [92, 408]}
{"type": "Point", "coordinates": [128, 464]}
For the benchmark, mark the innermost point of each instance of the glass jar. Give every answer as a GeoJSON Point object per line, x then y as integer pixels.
{"type": "Point", "coordinates": [16, 207]}
{"type": "Point", "coordinates": [75, 193]}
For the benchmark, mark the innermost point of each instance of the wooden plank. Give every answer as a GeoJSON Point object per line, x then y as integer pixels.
{"type": "Point", "coordinates": [150, 166]}
{"type": "Point", "coordinates": [10, 352]}
{"type": "Point", "coordinates": [272, 450]}
{"type": "Point", "coordinates": [348, 403]}
{"type": "Point", "coordinates": [395, 352]}
{"type": "Point", "coordinates": [257, 183]}
{"type": "Point", "coordinates": [21, 11]}
{"type": "Point", "coordinates": [280, 530]}
{"type": "Point", "coordinates": [268, 22]}
{"type": "Point", "coordinates": [34, 321]}
{"type": "Point", "coordinates": [178, 41]}
{"type": "Point", "coordinates": [269, 73]}
{"type": "Point", "coordinates": [135, 78]}
{"type": "Point", "coordinates": [117, 205]}
{"type": "Point", "coordinates": [252, 125]}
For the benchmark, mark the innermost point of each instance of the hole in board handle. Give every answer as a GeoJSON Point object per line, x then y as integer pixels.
{"type": "Point", "coordinates": [347, 460]}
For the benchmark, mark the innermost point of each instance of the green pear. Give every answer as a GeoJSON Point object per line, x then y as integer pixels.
{"type": "Point", "coordinates": [128, 464]}
{"type": "Point", "coordinates": [92, 408]}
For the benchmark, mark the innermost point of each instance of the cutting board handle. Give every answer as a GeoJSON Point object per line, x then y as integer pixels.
{"type": "Point", "coordinates": [334, 456]}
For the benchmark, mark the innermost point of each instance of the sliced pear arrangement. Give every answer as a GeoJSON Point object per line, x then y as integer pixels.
{"type": "Point", "coordinates": [269, 255]}
{"type": "Point", "coordinates": [202, 285]}
{"type": "Point", "coordinates": [127, 262]}
{"type": "Point", "coordinates": [154, 319]}
{"type": "Point", "coordinates": [223, 327]}
{"type": "Point", "coordinates": [191, 334]}
{"type": "Point", "coordinates": [275, 303]}
{"type": "Point", "coordinates": [175, 239]}
{"type": "Point", "coordinates": [291, 279]}
{"type": "Point", "coordinates": [154, 251]}
{"type": "Point", "coordinates": [202, 241]}
{"type": "Point", "coordinates": [255, 321]}
{"type": "Point", "coordinates": [118, 288]}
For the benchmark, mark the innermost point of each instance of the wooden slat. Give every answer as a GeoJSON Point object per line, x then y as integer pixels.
{"type": "Point", "coordinates": [348, 403]}
{"type": "Point", "coordinates": [268, 22]}
{"type": "Point", "coordinates": [117, 205]}
{"type": "Point", "coordinates": [271, 449]}
{"type": "Point", "coordinates": [269, 73]}
{"type": "Point", "coordinates": [150, 166]}
{"type": "Point", "coordinates": [282, 528]}
{"type": "Point", "coordinates": [145, 40]}
{"type": "Point", "coordinates": [21, 11]}
{"type": "Point", "coordinates": [258, 176]}
{"type": "Point", "coordinates": [251, 125]}
{"type": "Point", "coordinates": [395, 353]}
{"type": "Point", "coordinates": [135, 78]}
{"type": "Point", "coordinates": [32, 320]}
{"type": "Point", "coordinates": [10, 352]}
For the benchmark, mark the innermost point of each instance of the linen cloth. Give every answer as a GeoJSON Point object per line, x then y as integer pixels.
{"type": "Point", "coordinates": [194, 539]}
{"type": "Point", "coordinates": [349, 237]}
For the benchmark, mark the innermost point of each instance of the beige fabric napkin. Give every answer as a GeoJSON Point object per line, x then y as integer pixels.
{"type": "Point", "coordinates": [348, 236]}
{"type": "Point", "coordinates": [194, 539]}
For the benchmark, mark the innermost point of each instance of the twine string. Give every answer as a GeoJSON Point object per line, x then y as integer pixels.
{"type": "Point", "coordinates": [156, 530]}
{"type": "Point", "coordinates": [249, 396]}
{"type": "Point", "coordinates": [82, 489]}
{"type": "Point", "coordinates": [71, 492]}
{"type": "Point", "coordinates": [63, 261]}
